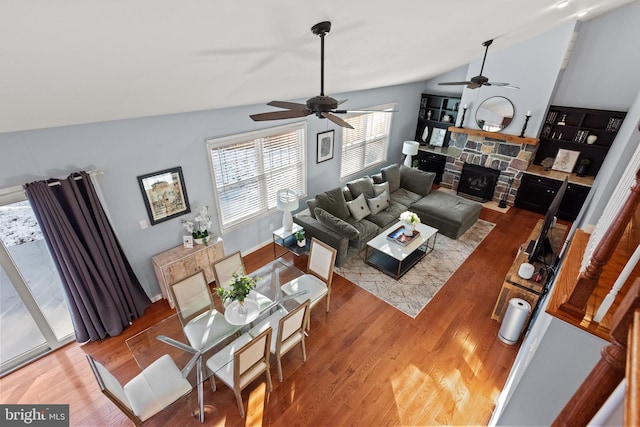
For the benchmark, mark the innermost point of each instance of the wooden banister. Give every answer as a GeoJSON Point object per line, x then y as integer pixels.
{"type": "Point", "coordinates": [576, 305]}
{"type": "Point", "coordinates": [632, 405]}
{"type": "Point", "coordinates": [609, 370]}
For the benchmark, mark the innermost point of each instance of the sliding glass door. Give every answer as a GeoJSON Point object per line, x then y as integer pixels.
{"type": "Point", "coordinates": [34, 318]}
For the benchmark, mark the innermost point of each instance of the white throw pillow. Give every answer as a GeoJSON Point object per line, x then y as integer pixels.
{"type": "Point", "coordinates": [358, 207]}
{"type": "Point", "coordinates": [378, 189]}
{"type": "Point", "coordinates": [379, 203]}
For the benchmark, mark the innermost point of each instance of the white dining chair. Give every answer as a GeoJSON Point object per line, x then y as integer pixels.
{"type": "Point", "coordinates": [290, 332]}
{"type": "Point", "coordinates": [317, 281]}
{"type": "Point", "coordinates": [250, 359]}
{"type": "Point", "coordinates": [194, 306]}
{"type": "Point", "coordinates": [224, 268]}
{"type": "Point", "coordinates": [148, 393]}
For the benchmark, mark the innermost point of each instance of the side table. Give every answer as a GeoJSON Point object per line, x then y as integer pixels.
{"type": "Point", "coordinates": [285, 239]}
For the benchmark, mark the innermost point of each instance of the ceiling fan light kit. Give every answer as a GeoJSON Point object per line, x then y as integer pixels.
{"type": "Point", "coordinates": [322, 106]}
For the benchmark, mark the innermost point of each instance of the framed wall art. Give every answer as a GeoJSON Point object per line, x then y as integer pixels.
{"type": "Point", "coordinates": [164, 194]}
{"type": "Point", "coordinates": [325, 146]}
{"type": "Point", "coordinates": [565, 160]}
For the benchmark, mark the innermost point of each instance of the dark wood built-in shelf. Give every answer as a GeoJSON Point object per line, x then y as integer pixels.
{"type": "Point", "coordinates": [433, 110]}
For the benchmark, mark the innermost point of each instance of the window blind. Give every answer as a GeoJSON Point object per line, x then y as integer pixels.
{"type": "Point", "coordinates": [367, 144]}
{"type": "Point", "coordinates": [248, 170]}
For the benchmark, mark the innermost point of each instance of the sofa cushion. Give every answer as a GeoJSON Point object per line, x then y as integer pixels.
{"type": "Point", "coordinates": [405, 197]}
{"type": "Point", "coordinates": [452, 215]}
{"type": "Point", "coordinates": [391, 174]}
{"type": "Point", "coordinates": [358, 207]}
{"type": "Point", "coordinates": [312, 204]}
{"type": "Point", "coordinates": [387, 217]}
{"type": "Point", "coordinates": [381, 188]}
{"type": "Point", "coordinates": [336, 224]}
{"type": "Point", "coordinates": [367, 229]}
{"type": "Point", "coordinates": [415, 180]}
{"type": "Point", "coordinates": [378, 203]}
{"type": "Point", "coordinates": [377, 178]}
{"type": "Point", "coordinates": [333, 201]}
{"type": "Point", "coordinates": [361, 186]}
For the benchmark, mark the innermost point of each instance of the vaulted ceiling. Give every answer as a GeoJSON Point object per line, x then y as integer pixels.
{"type": "Point", "coordinates": [79, 61]}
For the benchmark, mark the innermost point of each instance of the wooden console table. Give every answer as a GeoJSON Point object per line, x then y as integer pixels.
{"type": "Point", "coordinates": [515, 286]}
{"type": "Point", "coordinates": [180, 262]}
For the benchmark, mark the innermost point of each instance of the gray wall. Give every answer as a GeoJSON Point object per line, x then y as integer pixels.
{"type": "Point", "coordinates": [125, 149]}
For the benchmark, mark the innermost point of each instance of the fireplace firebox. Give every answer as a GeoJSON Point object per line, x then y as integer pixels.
{"type": "Point", "coordinates": [477, 182]}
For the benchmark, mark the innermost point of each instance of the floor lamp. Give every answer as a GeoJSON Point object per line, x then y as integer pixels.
{"type": "Point", "coordinates": [409, 148]}
{"type": "Point", "coordinates": [287, 201]}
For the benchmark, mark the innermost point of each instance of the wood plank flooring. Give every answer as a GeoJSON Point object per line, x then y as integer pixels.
{"type": "Point", "coordinates": [367, 363]}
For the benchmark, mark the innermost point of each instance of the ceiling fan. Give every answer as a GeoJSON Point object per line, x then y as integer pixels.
{"type": "Point", "coordinates": [322, 106]}
{"type": "Point", "coordinates": [480, 80]}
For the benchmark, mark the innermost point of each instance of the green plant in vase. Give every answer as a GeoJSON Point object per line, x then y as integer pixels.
{"type": "Point", "coordinates": [300, 239]}
{"type": "Point", "coordinates": [239, 287]}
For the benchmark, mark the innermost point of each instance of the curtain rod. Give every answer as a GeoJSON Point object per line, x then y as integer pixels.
{"type": "Point", "coordinates": [76, 178]}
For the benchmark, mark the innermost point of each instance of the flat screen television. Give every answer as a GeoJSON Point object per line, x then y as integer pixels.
{"type": "Point", "coordinates": [540, 248]}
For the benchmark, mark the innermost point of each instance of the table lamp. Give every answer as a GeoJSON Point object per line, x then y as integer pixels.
{"type": "Point", "coordinates": [410, 148]}
{"type": "Point", "coordinates": [287, 201]}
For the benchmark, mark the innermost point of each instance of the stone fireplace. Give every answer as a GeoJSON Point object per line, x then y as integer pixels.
{"type": "Point", "coordinates": [507, 155]}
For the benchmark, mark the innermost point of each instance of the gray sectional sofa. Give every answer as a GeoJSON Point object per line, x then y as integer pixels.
{"type": "Point", "coordinates": [347, 218]}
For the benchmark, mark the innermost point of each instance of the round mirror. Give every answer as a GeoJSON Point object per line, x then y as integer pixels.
{"type": "Point", "coordinates": [494, 114]}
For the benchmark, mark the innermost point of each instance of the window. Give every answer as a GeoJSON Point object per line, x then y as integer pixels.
{"type": "Point", "coordinates": [367, 144]}
{"type": "Point", "coordinates": [248, 169]}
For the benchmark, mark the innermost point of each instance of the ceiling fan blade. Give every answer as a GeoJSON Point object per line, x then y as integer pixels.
{"type": "Point", "coordinates": [342, 101]}
{"type": "Point", "coordinates": [362, 111]}
{"type": "Point", "coordinates": [278, 115]}
{"type": "Point", "coordinates": [453, 83]}
{"type": "Point", "coordinates": [337, 120]}
{"type": "Point", "coordinates": [288, 105]}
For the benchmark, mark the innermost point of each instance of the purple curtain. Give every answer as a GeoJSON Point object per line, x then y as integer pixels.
{"type": "Point", "coordinates": [103, 293]}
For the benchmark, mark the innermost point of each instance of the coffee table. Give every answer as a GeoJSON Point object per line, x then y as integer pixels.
{"type": "Point", "coordinates": [394, 259]}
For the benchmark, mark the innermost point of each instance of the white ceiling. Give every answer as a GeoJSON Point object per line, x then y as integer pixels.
{"type": "Point", "coordinates": [79, 61]}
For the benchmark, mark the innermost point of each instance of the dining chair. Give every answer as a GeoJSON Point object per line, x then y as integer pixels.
{"type": "Point", "coordinates": [249, 361]}
{"type": "Point", "coordinates": [291, 332]}
{"type": "Point", "coordinates": [155, 388]}
{"type": "Point", "coordinates": [224, 268]}
{"type": "Point", "coordinates": [317, 280]}
{"type": "Point", "coordinates": [194, 306]}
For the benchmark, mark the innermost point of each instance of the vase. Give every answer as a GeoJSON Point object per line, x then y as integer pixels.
{"type": "Point", "coordinates": [302, 243]}
{"type": "Point", "coordinates": [198, 241]}
{"type": "Point", "coordinates": [582, 170]}
{"type": "Point", "coordinates": [408, 228]}
{"type": "Point", "coordinates": [242, 309]}
{"type": "Point", "coordinates": [592, 139]}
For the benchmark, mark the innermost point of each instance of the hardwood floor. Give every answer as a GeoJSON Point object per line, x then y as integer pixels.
{"type": "Point", "coordinates": [367, 363]}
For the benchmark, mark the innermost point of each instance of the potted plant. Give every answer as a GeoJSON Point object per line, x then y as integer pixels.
{"type": "Point", "coordinates": [582, 167]}
{"type": "Point", "coordinates": [410, 220]}
{"type": "Point", "coordinates": [200, 229]}
{"type": "Point", "coordinates": [239, 287]}
{"type": "Point", "coordinates": [300, 239]}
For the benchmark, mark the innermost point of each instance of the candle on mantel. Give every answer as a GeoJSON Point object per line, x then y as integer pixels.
{"type": "Point", "coordinates": [529, 113]}
{"type": "Point", "coordinates": [465, 106]}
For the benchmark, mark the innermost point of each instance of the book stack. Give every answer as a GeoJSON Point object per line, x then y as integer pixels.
{"type": "Point", "coordinates": [614, 124]}
{"type": "Point", "coordinates": [551, 117]}
{"type": "Point", "coordinates": [581, 135]}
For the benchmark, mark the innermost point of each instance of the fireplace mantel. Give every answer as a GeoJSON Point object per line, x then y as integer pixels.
{"type": "Point", "coordinates": [494, 135]}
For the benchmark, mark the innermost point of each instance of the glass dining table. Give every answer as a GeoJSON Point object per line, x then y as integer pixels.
{"type": "Point", "coordinates": [168, 337]}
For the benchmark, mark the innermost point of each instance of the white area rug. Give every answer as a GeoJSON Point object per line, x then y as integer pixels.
{"type": "Point", "coordinates": [411, 293]}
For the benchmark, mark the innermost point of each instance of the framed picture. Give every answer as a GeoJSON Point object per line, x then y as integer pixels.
{"type": "Point", "coordinates": [325, 146]}
{"type": "Point", "coordinates": [164, 194]}
{"type": "Point", "coordinates": [187, 241]}
{"type": "Point", "coordinates": [565, 160]}
{"type": "Point", "coordinates": [437, 137]}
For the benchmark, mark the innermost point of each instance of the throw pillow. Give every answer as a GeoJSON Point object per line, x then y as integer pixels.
{"type": "Point", "coordinates": [415, 180]}
{"type": "Point", "coordinates": [378, 203]}
{"type": "Point", "coordinates": [333, 202]}
{"type": "Point", "coordinates": [336, 224]}
{"type": "Point", "coordinates": [361, 186]}
{"type": "Point", "coordinates": [378, 189]}
{"type": "Point", "coordinates": [311, 204]}
{"type": "Point", "coordinates": [358, 207]}
{"type": "Point", "coordinates": [391, 174]}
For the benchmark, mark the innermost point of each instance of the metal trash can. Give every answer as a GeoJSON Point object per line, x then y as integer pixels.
{"type": "Point", "coordinates": [514, 320]}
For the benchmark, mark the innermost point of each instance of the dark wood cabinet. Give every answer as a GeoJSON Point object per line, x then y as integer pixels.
{"type": "Point", "coordinates": [588, 131]}
{"type": "Point", "coordinates": [432, 162]}
{"type": "Point", "coordinates": [537, 192]}
{"type": "Point", "coordinates": [437, 113]}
